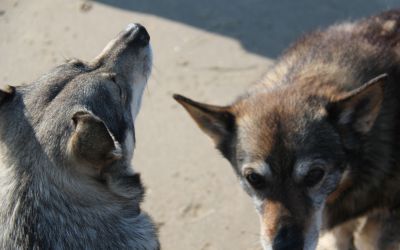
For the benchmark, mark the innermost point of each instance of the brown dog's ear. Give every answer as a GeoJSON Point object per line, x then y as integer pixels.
{"type": "Point", "coordinates": [6, 92]}
{"type": "Point", "coordinates": [359, 109]}
{"type": "Point", "coordinates": [217, 122]}
{"type": "Point", "coordinates": [92, 142]}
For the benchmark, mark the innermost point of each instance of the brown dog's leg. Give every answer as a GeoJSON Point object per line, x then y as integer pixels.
{"type": "Point", "coordinates": [380, 231]}
{"type": "Point", "coordinates": [340, 237]}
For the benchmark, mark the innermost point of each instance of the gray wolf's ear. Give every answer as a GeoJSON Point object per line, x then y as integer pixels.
{"type": "Point", "coordinates": [92, 142]}
{"type": "Point", "coordinates": [217, 122]}
{"type": "Point", "coordinates": [359, 109]}
{"type": "Point", "coordinates": [6, 92]}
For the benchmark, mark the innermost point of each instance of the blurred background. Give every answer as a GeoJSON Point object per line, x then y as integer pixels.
{"type": "Point", "coordinates": [208, 50]}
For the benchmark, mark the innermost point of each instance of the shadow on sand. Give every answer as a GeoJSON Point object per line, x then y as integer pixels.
{"type": "Point", "coordinates": [263, 27]}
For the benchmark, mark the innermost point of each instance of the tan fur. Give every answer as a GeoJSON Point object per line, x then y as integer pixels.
{"type": "Point", "coordinates": [368, 235]}
{"type": "Point", "coordinates": [341, 237]}
{"type": "Point", "coordinates": [258, 147]}
{"type": "Point", "coordinates": [344, 184]}
{"type": "Point", "coordinates": [272, 216]}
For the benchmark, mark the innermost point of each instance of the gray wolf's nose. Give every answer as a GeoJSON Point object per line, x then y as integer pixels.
{"type": "Point", "coordinates": [137, 33]}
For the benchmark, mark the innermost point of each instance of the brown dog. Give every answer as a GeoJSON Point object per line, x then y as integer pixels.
{"type": "Point", "coordinates": [316, 144]}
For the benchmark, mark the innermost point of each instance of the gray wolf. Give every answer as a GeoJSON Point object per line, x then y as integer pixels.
{"type": "Point", "coordinates": [66, 143]}
{"type": "Point", "coordinates": [316, 143]}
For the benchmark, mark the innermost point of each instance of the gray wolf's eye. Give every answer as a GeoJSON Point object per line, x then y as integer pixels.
{"type": "Point", "coordinates": [256, 180]}
{"type": "Point", "coordinates": [77, 63]}
{"type": "Point", "coordinates": [313, 177]}
{"type": "Point", "coordinates": [113, 78]}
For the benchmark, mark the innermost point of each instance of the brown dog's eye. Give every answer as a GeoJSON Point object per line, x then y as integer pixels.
{"type": "Point", "coordinates": [255, 180]}
{"type": "Point", "coordinates": [313, 177]}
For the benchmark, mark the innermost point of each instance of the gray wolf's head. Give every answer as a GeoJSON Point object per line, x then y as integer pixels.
{"type": "Point", "coordinates": [288, 148]}
{"type": "Point", "coordinates": [78, 119]}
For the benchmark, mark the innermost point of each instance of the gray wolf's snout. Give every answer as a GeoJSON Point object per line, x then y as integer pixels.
{"type": "Point", "coordinates": [137, 33]}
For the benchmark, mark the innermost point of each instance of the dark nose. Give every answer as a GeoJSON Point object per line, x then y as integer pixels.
{"type": "Point", "coordinates": [288, 238]}
{"type": "Point", "coordinates": [137, 33]}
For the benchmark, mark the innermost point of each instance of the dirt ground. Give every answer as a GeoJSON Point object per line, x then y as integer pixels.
{"type": "Point", "coordinates": [207, 50]}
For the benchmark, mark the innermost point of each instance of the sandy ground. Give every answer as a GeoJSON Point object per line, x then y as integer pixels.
{"type": "Point", "coordinates": [205, 50]}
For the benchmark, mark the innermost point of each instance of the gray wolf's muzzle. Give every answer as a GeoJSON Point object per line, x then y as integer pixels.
{"type": "Point", "coordinates": [129, 58]}
{"type": "Point", "coordinates": [127, 50]}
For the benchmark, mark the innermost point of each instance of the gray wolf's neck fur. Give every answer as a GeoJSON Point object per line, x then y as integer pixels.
{"type": "Point", "coordinates": [37, 195]}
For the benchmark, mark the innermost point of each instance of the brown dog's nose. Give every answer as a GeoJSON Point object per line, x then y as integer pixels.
{"type": "Point", "coordinates": [137, 33]}
{"type": "Point", "coordinates": [289, 237]}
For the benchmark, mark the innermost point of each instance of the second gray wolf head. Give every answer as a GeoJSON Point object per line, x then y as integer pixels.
{"type": "Point", "coordinates": [66, 144]}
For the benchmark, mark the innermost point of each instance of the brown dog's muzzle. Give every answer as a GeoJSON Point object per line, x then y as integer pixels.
{"type": "Point", "coordinates": [280, 227]}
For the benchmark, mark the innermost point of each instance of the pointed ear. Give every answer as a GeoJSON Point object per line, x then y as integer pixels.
{"type": "Point", "coordinates": [6, 92]}
{"type": "Point", "coordinates": [92, 142]}
{"type": "Point", "coordinates": [217, 122]}
{"type": "Point", "coordinates": [358, 110]}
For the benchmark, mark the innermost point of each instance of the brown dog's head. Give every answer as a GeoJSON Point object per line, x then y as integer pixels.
{"type": "Point", "coordinates": [289, 150]}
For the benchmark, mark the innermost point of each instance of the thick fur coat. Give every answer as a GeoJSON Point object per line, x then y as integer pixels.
{"type": "Point", "coordinates": [66, 143]}
{"type": "Point", "coordinates": [316, 143]}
